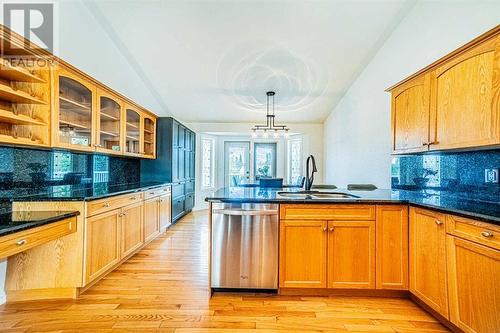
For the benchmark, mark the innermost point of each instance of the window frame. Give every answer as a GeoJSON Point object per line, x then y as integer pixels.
{"type": "Point", "coordinates": [212, 163]}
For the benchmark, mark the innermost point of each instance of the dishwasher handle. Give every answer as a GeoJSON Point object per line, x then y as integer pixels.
{"type": "Point", "coordinates": [246, 212]}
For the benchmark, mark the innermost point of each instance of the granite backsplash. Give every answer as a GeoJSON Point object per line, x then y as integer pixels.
{"type": "Point", "coordinates": [26, 171]}
{"type": "Point", "coordinates": [459, 173]}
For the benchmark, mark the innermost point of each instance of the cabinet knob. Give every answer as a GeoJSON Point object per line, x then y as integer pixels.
{"type": "Point", "coordinates": [325, 229]}
{"type": "Point", "coordinates": [487, 234]}
{"type": "Point", "coordinates": [438, 222]}
{"type": "Point", "coordinates": [106, 204]}
{"type": "Point", "coordinates": [331, 229]}
{"type": "Point", "coordinates": [21, 242]}
{"type": "Point", "coordinates": [97, 145]}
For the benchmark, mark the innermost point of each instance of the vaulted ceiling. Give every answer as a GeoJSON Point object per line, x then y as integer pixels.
{"type": "Point", "coordinates": [213, 61]}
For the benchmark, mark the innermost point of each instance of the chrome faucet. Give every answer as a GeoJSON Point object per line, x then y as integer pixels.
{"type": "Point", "coordinates": [310, 177]}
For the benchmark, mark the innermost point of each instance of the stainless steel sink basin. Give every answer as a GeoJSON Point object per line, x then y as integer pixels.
{"type": "Point", "coordinates": [316, 195]}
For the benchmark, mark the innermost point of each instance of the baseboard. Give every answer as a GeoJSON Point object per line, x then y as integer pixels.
{"type": "Point", "coordinates": [344, 292]}
{"type": "Point", "coordinates": [39, 294]}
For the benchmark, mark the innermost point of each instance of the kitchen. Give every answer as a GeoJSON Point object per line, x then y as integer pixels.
{"type": "Point", "coordinates": [262, 181]}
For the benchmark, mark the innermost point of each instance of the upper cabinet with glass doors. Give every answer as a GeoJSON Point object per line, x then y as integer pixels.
{"type": "Point", "coordinates": [109, 124]}
{"type": "Point", "coordinates": [74, 112]}
{"type": "Point", "coordinates": [92, 118]}
{"type": "Point", "coordinates": [133, 126]}
{"type": "Point", "coordinates": [149, 134]}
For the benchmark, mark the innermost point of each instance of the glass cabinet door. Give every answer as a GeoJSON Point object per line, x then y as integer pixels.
{"type": "Point", "coordinates": [149, 136]}
{"type": "Point", "coordinates": [109, 125]}
{"type": "Point", "coordinates": [133, 131]}
{"type": "Point", "coordinates": [75, 113]}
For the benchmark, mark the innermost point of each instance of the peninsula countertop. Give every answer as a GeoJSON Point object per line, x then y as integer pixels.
{"type": "Point", "coordinates": [438, 200]}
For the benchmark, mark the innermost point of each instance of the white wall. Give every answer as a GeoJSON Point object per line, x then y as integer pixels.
{"type": "Point", "coordinates": [357, 132]}
{"type": "Point", "coordinates": [312, 135]}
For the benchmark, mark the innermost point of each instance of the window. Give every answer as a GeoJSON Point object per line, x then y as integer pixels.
{"type": "Point", "coordinates": [295, 161]}
{"type": "Point", "coordinates": [62, 163]}
{"type": "Point", "coordinates": [207, 163]}
{"type": "Point", "coordinates": [265, 160]}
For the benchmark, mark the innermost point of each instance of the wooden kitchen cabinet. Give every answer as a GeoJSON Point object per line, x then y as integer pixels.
{"type": "Point", "coordinates": [410, 115]}
{"type": "Point", "coordinates": [428, 258]}
{"type": "Point", "coordinates": [132, 228]}
{"type": "Point", "coordinates": [474, 296]}
{"type": "Point", "coordinates": [102, 243]}
{"type": "Point", "coordinates": [151, 218]}
{"type": "Point", "coordinates": [109, 123]}
{"type": "Point", "coordinates": [392, 247]}
{"type": "Point", "coordinates": [75, 111]}
{"type": "Point", "coordinates": [465, 107]}
{"type": "Point", "coordinates": [165, 211]}
{"type": "Point", "coordinates": [303, 253]}
{"type": "Point", "coordinates": [351, 254]}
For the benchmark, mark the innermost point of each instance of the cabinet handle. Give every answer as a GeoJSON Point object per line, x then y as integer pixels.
{"type": "Point", "coordinates": [151, 193]}
{"type": "Point", "coordinates": [433, 142]}
{"type": "Point", "coordinates": [106, 204]}
{"type": "Point", "coordinates": [487, 234]}
{"type": "Point", "coordinates": [425, 144]}
{"type": "Point", "coordinates": [96, 145]}
{"type": "Point", "coordinates": [123, 214]}
{"type": "Point", "coordinates": [133, 198]}
{"type": "Point", "coordinates": [438, 222]}
{"type": "Point", "coordinates": [331, 229]}
{"type": "Point", "coordinates": [21, 242]}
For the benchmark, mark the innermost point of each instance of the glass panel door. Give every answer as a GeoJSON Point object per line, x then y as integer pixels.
{"type": "Point", "coordinates": [75, 113]}
{"type": "Point", "coordinates": [109, 124]}
{"type": "Point", "coordinates": [264, 160]}
{"type": "Point", "coordinates": [236, 163]}
{"type": "Point", "coordinates": [149, 136]}
{"type": "Point", "coordinates": [132, 133]}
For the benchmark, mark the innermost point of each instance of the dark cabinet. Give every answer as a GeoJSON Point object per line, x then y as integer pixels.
{"type": "Point", "coordinates": [174, 163]}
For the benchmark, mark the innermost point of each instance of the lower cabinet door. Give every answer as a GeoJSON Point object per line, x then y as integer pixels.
{"type": "Point", "coordinates": [392, 247]}
{"type": "Point", "coordinates": [351, 254]}
{"type": "Point", "coordinates": [132, 229]}
{"type": "Point", "coordinates": [151, 218]}
{"type": "Point", "coordinates": [165, 211]}
{"type": "Point", "coordinates": [303, 254]}
{"type": "Point", "coordinates": [102, 243]}
{"type": "Point", "coordinates": [428, 259]}
{"type": "Point", "coordinates": [177, 207]}
{"type": "Point", "coordinates": [474, 294]}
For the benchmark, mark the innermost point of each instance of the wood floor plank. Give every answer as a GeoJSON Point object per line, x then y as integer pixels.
{"type": "Point", "coordinates": [164, 288]}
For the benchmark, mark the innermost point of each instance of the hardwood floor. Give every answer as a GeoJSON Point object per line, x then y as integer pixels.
{"type": "Point", "coordinates": [164, 288]}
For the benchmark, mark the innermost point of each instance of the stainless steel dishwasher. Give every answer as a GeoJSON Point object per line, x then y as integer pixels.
{"type": "Point", "coordinates": [244, 246]}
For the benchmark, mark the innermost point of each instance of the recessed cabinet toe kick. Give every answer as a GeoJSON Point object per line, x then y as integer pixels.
{"type": "Point", "coordinates": [244, 246]}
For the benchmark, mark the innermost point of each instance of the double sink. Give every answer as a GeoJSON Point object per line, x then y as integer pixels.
{"type": "Point", "coordinates": [316, 195]}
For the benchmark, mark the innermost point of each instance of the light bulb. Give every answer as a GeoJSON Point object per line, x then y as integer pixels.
{"type": "Point", "coordinates": [254, 134]}
{"type": "Point", "coordinates": [286, 134]}
{"type": "Point", "coordinates": [276, 134]}
{"type": "Point", "coordinates": [265, 134]}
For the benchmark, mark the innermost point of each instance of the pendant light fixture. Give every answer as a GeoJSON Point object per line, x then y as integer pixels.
{"type": "Point", "coordinates": [270, 128]}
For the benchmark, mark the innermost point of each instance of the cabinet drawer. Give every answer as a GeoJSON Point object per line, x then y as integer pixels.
{"type": "Point", "coordinates": [327, 212]}
{"type": "Point", "coordinates": [105, 205]}
{"type": "Point", "coordinates": [24, 240]}
{"type": "Point", "coordinates": [177, 190]}
{"type": "Point", "coordinates": [479, 232]}
{"type": "Point", "coordinates": [155, 192]}
{"type": "Point", "coordinates": [189, 186]}
{"type": "Point", "coordinates": [177, 207]}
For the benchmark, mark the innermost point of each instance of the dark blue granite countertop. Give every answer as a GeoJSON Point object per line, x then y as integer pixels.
{"type": "Point", "coordinates": [79, 192]}
{"type": "Point", "coordinates": [438, 200]}
{"type": "Point", "coordinates": [17, 221]}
